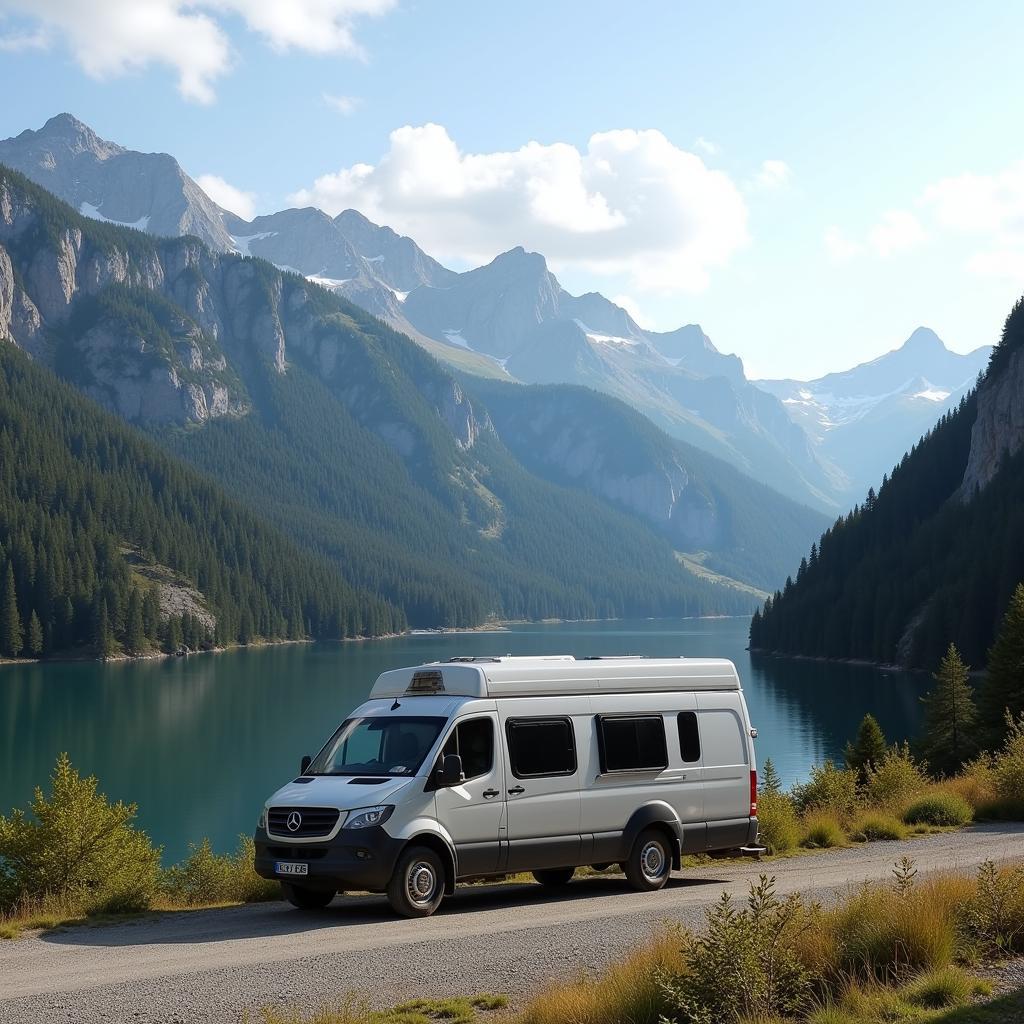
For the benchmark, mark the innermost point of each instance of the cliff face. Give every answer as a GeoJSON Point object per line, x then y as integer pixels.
{"type": "Point", "coordinates": [999, 426]}
{"type": "Point", "coordinates": [166, 331]}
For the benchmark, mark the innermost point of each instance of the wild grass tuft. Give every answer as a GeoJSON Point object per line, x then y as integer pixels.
{"type": "Point", "coordinates": [872, 826]}
{"type": "Point", "coordinates": [822, 830]}
{"type": "Point", "coordinates": [778, 823]}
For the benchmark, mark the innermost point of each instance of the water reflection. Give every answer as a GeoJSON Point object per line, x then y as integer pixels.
{"type": "Point", "coordinates": [199, 742]}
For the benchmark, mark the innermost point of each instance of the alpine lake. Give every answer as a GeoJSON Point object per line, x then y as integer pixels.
{"type": "Point", "coordinates": [199, 742]}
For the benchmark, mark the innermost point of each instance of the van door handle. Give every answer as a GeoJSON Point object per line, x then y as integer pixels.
{"type": "Point", "coordinates": [488, 793]}
{"type": "Point", "coordinates": [516, 790]}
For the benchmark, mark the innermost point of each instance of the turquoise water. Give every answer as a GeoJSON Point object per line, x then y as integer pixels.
{"type": "Point", "coordinates": [199, 742]}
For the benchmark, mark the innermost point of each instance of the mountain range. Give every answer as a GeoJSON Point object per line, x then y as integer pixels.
{"type": "Point", "coordinates": [820, 443]}
{"type": "Point", "coordinates": [353, 443]}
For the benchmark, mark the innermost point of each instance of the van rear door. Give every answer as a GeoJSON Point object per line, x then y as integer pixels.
{"type": "Point", "coordinates": [542, 779]}
{"type": "Point", "coordinates": [725, 754]}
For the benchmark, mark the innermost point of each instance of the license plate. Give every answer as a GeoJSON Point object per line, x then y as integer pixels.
{"type": "Point", "coordinates": [288, 867]}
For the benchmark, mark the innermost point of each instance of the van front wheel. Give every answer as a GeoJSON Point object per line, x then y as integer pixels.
{"type": "Point", "coordinates": [306, 899]}
{"type": "Point", "coordinates": [650, 861]}
{"type": "Point", "coordinates": [417, 886]}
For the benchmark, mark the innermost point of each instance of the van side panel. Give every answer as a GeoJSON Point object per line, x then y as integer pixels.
{"type": "Point", "coordinates": [725, 751]}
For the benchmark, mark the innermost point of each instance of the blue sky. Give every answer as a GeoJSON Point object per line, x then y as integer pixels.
{"type": "Point", "coordinates": [808, 182]}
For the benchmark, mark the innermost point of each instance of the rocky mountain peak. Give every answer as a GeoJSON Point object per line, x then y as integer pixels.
{"type": "Point", "coordinates": [75, 136]}
{"type": "Point", "coordinates": [924, 341]}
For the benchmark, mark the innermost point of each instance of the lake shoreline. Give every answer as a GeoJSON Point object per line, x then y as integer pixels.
{"type": "Point", "coordinates": [494, 626]}
{"type": "Point", "coordinates": [882, 666]}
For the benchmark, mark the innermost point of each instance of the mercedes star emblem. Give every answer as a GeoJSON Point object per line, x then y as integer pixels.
{"type": "Point", "coordinates": [294, 822]}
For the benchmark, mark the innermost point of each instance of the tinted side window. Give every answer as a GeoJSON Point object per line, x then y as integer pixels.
{"type": "Point", "coordinates": [473, 741]}
{"type": "Point", "coordinates": [632, 744]}
{"type": "Point", "coordinates": [541, 746]}
{"type": "Point", "coordinates": [689, 737]}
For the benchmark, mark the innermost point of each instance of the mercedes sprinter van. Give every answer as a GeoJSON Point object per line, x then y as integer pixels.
{"type": "Point", "coordinates": [479, 767]}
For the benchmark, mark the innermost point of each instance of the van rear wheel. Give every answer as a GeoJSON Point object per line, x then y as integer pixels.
{"type": "Point", "coordinates": [306, 899]}
{"type": "Point", "coordinates": [650, 861]}
{"type": "Point", "coordinates": [417, 885]}
{"type": "Point", "coordinates": [555, 878]}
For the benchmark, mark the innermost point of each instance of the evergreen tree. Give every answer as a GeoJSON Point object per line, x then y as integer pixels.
{"type": "Point", "coordinates": [770, 781]}
{"type": "Point", "coordinates": [135, 634]}
{"type": "Point", "coordinates": [1003, 688]}
{"type": "Point", "coordinates": [35, 635]}
{"type": "Point", "coordinates": [12, 636]}
{"type": "Point", "coordinates": [950, 715]}
{"type": "Point", "coordinates": [103, 643]}
{"type": "Point", "coordinates": [867, 749]}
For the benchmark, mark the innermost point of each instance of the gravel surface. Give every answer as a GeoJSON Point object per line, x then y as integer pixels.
{"type": "Point", "coordinates": [210, 966]}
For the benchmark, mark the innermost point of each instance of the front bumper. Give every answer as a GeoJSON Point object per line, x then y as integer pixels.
{"type": "Point", "coordinates": [360, 859]}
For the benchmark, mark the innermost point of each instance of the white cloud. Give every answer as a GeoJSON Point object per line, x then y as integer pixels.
{"type": "Point", "coordinates": [897, 230]}
{"type": "Point", "coordinates": [772, 174]}
{"type": "Point", "coordinates": [979, 202]}
{"type": "Point", "coordinates": [227, 196]}
{"type": "Point", "coordinates": [342, 104]}
{"type": "Point", "coordinates": [840, 249]}
{"type": "Point", "coordinates": [109, 38]}
{"type": "Point", "coordinates": [631, 203]}
{"type": "Point", "coordinates": [14, 42]}
{"type": "Point", "coordinates": [1005, 264]}
{"type": "Point", "coordinates": [707, 146]}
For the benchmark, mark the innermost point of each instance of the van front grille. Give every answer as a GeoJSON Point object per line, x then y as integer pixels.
{"type": "Point", "coordinates": [302, 822]}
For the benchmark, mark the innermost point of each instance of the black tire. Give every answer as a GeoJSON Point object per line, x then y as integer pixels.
{"type": "Point", "coordinates": [307, 899]}
{"type": "Point", "coordinates": [555, 878]}
{"type": "Point", "coordinates": [650, 861]}
{"type": "Point", "coordinates": [417, 885]}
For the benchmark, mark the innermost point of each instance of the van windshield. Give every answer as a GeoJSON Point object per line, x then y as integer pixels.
{"type": "Point", "coordinates": [378, 746]}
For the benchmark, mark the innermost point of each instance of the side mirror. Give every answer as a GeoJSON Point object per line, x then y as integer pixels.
{"type": "Point", "coordinates": [305, 763]}
{"type": "Point", "coordinates": [450, 772]}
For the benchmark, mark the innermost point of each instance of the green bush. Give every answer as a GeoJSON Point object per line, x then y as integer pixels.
{"type": "Point", "coordinates": [207, 877]}
{"type": "Point", "coordinates": [942, 988]}
{"type": "Point", "coordinates": [1008, 771]}
{"type": "Point", "coordinates": [743, 965]}
{"type": "Point", "coordinates": [895, 778]}
{"type": "Point", "coordinates": [77, 847]}
{"type": "Point", "coordinates": [873, 826]}
{"type": "Point", "coordinates": [995, 914]}
{"type": "Point", "coordinates": [829, 788]}
{"type": "Point", "coordinates": [822, 831]}
{"type": "Point", "coordinates": [940, 808]}
{"type": "Point", "coordinates": [777, 821]}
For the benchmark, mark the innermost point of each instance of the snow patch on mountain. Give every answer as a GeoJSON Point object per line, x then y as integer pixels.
{"type": "Point", "coordinates": [88, 210]}
{"type": "Point", "coordinates": [242, 242]}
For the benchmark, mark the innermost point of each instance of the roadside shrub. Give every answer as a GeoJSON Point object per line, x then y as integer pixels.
{"type": "Point", "coordinates": [939, 808]}
{"type": "Point", "coordinates": [207, 877]}
{"type": "Point", "coordinates": [994, 916]}
{"type": "Point", "coordinates": [976, 784]}
{"type": "Point", "coordinates": [829, 788]}
{"type": "Point", "coordinates": [943, 988]}
{"type": "Point", "coordinates": [895, 778]}
{"type": "Point", "coordinates": [777, 821]}
{"type": "Point", "coordinates": [78, 848]}
{"type": "Point", "coordinates": [873, 826]}
{"type": "Point", "coordinates": [887, 933]}
{"type": "Point", "coordinates": [821, 831]}
{"type": "Point", "coordinates": [743, 965]}
{"type": "Point", "coordinates": [629, 990]}
{"type": "Point", "coordinates": [1008, 771]}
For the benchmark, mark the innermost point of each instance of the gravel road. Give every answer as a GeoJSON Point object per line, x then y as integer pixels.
{"type": "Point", "coordinates": [210, 966]}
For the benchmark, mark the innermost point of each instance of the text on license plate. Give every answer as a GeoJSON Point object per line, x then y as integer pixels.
{"type": "Point", "coordinates": [288, 867]}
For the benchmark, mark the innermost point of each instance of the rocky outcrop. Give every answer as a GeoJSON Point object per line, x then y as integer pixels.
{"type": "Point", "coordinates": [999, 426]}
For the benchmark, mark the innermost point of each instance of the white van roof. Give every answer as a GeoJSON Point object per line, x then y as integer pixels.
{"type": "Point", "coordinates": [557, 674]}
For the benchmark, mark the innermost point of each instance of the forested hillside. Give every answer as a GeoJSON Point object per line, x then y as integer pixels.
{"type": "Point", "coordinates": [935, 555]}
{"type": "Point", "coordinates": [345, 434]}
{"type": "Point", "coordinates": [92, 515]}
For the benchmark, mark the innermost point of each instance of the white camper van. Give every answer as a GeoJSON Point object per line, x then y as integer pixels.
{"type": "Point", "coordinates": [477, 767]}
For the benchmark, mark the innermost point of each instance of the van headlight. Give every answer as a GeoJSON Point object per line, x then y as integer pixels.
{"type": "Point", "coordinates": [367, 817]}
{"type": "Point", "coordinates": [263, 819]}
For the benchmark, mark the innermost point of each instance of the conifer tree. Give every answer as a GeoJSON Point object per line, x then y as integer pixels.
{"type": "Point", "coordinates": [135, 635]}
{"type": "Point", "coordinates": [950, 715]}
{"type": "Point", "coordinates": [1003, 688]}
{"type": "Point", "coordinates": [867, 749]}
{"type": "Point", "coordinates": [770, 781]}
{"type": "Point", "coordinates": [35, 635]}
{"type": "Point", "coordinates": [103, 643]}
{"type": "Point", "coordinates": [12, 636]}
